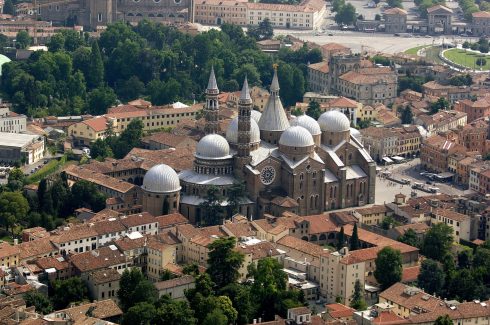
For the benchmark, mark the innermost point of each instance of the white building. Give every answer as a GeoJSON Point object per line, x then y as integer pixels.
{"type": "Point", "coordinates": [12, 122]}
{"type": "Point", "coordinates": [21, 147]}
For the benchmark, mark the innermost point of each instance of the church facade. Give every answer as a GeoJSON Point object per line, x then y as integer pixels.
{"type": "Point", "coordinates": [298, 165]}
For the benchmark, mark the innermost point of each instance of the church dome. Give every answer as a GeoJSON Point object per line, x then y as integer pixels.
{"type": "Point", "coordinates": [296, 136]}
{"type": "Point", "coordinates": [255, 115]}
{"type": "Point", "coordinates": [232, 131]}
{"type": "Point", "coordinates": [355, 133]}
{"type": "Point", "coordinates": [334, 121]}
{"type": "Point", "coordinates": [161, 179]}
{"type": "Point", "coordinates": [213, 146]}
{"type": "Point", "coordinates": [308, 123]}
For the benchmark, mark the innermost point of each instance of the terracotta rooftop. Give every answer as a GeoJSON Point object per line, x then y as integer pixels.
{"type": "Point", "coordinates": [7, 250]}
{"type": "Point", "coordinates": [395, 11]}
{"type": "Point", "coordinates": [334, 47]}
{"type": "Point", "coordinates": [171, 220]}
{"type": "Point", "coordinates": [171, 140]}
{"type": "Point", "coordinates": [176, 282]}
{"type": "Point", "coordinates": [388, 318]}
{"type": "Point", "coordinates": [439, 7]}
{"type": "Point", "coordinates": [258, 251]}
{"type": "Point", "coordinates": [344, 102]}
{"type": "Point", "coordinates": [39, 247]}
{"type": "Point", "coordinates": [98, 124]}
{"type": "Point", "coordinates": [178, 158]}
{"type": "Point", "coordinates": [481, 14]}
{"type": "Point", "coordinates": [104, 276]}
{"type": "Point", "coordinates": [240, 229]}
{"type": "Point", "coordinates": [59, 263]}
{"type": "Point", "coordinates": [138, 219]}
{"type": "Point", "coordinates": [305, 247]}
{"type": "Point", "coordinates": [320, 66]}
{"type": "Point", "coordinates": [99, 179]}
{"type": "Point", "coordinates": [73, 233]}
{"type": "Point", "coordinates": [103, 309]}
{"type": "Point", "coordinates": [410, 274]}
{"type": "Point", "coordinates": [99, 258]}
{"type": "Point", "coordinates": [339, 310]}
{"type": "Point", "coordinates": [450, 215]}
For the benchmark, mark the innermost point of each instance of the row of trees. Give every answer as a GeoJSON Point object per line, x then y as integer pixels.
{"type": "Point", "coordinates": [423, 5]}
{"type": "Point", "coordinates": [212, 212]}
{"type": "Point", "coordinates": [345, 14]}
{"type": "Point", "coordinates": [158, 62]}
{"type": "Point", "coordinates": [482, 45]}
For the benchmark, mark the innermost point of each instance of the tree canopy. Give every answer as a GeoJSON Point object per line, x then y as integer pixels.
{"type": "Point", "coordinates": [224, 262]}
{"type": "Point", "coordinates": [388, 267]}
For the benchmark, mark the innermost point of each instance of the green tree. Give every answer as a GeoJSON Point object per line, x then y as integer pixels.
{"type": "Point", "coordinates": [388, 267]}
{"type": "Point", "coordinates": [463, 285]}
{"type": "Point", "coordinates": [129, 139]}
{"type": "Point", "coordinates": [377, 17]}
{"type": "Point", "coordinates": [172, 312]}
{"type": "Point", "coordinates": [431, 277]}
{"type": "Point", "coordinates": [56, 43]}
{"type": "Point", "coordinates": [354, 239]}
{"type": "Point", "coordinates": [437, 242]}
{"type": "Point", "coordinates": [407, 115]}
{"type": "Point", "coordinates": [443, 320]}
{"type": "Point", "coordinates": [167, 275]}
{"type": "Point", "coordinates": [8, 8]}
{"type": "Point", "coordinates": [130, 89]}
{"type": "Point", "coordinates": [100, 99]}
{"type": "Point", "coordinates": [23, 40]}
{"type": "Point", "coordinates": [100, 150]}
{"type": "Point", "coordinates": [410, 238]}
{"type": "Point", "coordinates": [191, 269]}
{"type": "Point", "coordinates": [465, 259]}
{"type": "Point", "coordinates": [216, 317]}
{"type": "Point", "coordinates": [346, 15]}
{"type": "Point", "coordinates": [211, 210]}
{"type": "Point", "coordinates": [395, 3]}
{"type": "Point", "coordinates": [314, 110]}
{"type": "Point", "coordinates": [224, 262]}
{"type": "Point", "coordinates": [13, 208]}
{"type": "Point", "coordinates": [481, 61]}
{"type": "Point", "coordinates": [241, 300]}
{"type": "Point", "coordinates": [39, 301]}
{"type": "Point", "coordinates": [358, 302]}
{"type": "Point", "coordinates": [141, 313]}
{"type": "Point", "coordinates": [134, 289]}
{"type": "Point", "coordinates": [292, 83]}
{"type": "Point", "coordinates": [261, 32]}
{"type": "Point", "coordinates": [235, 194]}
{"type": "Point", "coordinates": [86, 194]}
{"type": "Point", "coordinates": [337, 5]}
{"type": "Point", "coordinates": [16, 180]}
{"type": "Point", "coordinates": [68, 291]}
{"type": "Point", "coordinates": [340, 239]}
{"type": "Point", "coordinates": [95, 77]}
{"type": "Point", "coordinates": [441, 104]}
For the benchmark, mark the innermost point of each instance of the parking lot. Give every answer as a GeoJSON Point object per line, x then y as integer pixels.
{"type": "Point", "coordinates": [386, 189]}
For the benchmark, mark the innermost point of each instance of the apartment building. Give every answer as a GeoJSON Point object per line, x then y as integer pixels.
{"type": "Point", "coordinates": [419, 307]}
{"type": "Point", "coordinates": [460, 223]}
{"type": "Point", "coordinates": [160, 254]}
{"type": "Point", "coordinates": [389, 142]}
{"type": "Point", "coordinates": [318, 77]}
{"type": "Point", "coordinates": [480, 23]}
{"type": "Point", "coordinates": [11, 121]}
{"type": "Point", "coordinates": [475, 136]}
{"type": "Point", "coordinates": [435, 90]}
{"type": "Point", "coordinates": [434, 153]}
{"type": "Point", "coordinates": [253, 251]}
{"type": "Point", "coordinates": [373, 215]}
{"type": "Point", "coordinates": [9, 255]}
{"type": "Point", "coordinates": [441, 121]}
{"type": "Point", "coordinates": [339, 273]}
{"type": "Point", "coordinates": [99, 259]}
{"type": "Point", "coordinates": [103, 284]}
{"type": "Point", "coordinates": [474, 109]}
{"type": "Point", "coordinates": [88, 131]}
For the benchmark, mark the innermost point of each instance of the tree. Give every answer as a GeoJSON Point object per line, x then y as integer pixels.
{"type": "Point", "coordinates": [340, 239]}
{"type": "Point", "coordinates": [377, 17]}
{"type": "Point", "coordinates": [407, 115]}
{"type": "Point", "coordinates": [314, 110]}
{"type": "Point", "coordinates": [463, 286]}
{"type": "Point", "coordinates": [129, 138]}
{"type": "Point", "coordinates": [191, 269]}
{"type": "Point", "coordinates": [86, 194]}
{"type": "Point", "coordinates": [171, 312]}
{"type": "Point", "coordinates": [395, 3]}
{"type": "Point", "coordinates": [8, 8]}
{"type": "Point", "coordinates": [167, 275]}
{"type": "Point", "coordinates": [130, 89]}
{"type": "Point", "coordinates": [224, 261]}
{"type": "Point", "coordinates": [211, 210]}
{"type": "Point", "coordinates": [358, 302]}
{"type": "Point", "coordinates": [39, 301]}
{"type": "Point", "coordinates": [465, 259]}
{"type": "Point", "coordinates": [346, 15]}
{"type": "Point", "coordinates": [235, 193]}
{"type": "Point", "coordinates": [68, 291]}
{"type": "Point", "coordinates": [241, 300]}
{"type": "Point", "coordinates": [443, 320]}
{"type": "Point", "coordinates": [437, 242]}
{"type": "Point", "coordinates": [354, 239]}
{"type": "Point", "coordinates": [410, 238]}
{"type": "Point", "coordinates": [481, 61]}
{"type": "Point", "coordinates": [100, 149]}
{"type": "Point", "coordinates": [142, 313]}
{"type": "Point", "coordinates": [441, 103]}
{"type": "Point", "coordinates": [16, 179]}
{"type": "Point", "coordinates": [388, 267]}
{"type": "Point", "coordinates": [484, 48]}
{"type": "Point", "coordinates": [23, 40]}
{"type": "Point", "coordinates": [95, 76]}
{"type": "Point", "coordinates": [100, 99]}
{"type": "Point", "coordinates": [216, 317]}
{"type": "Point", "coordinates": [13, 208]}
{"type": "Point", "coordinates": [261, 32]}
{"type": "Point", "coordinates": [431, 277]}
{"type": "Point", "coordinates": [466, 45]}
{"type": "Point", "coordinates": [134, 289]}
{"type": "Point", "coordinates": [337, 5]}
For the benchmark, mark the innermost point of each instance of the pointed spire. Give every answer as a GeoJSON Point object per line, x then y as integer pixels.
{"type": "Point", "coordinates": [212, 80]}
{"type": "Point", "coordinates": [275, 81]}
{"type": "Point", "coordinates": [245, 94]}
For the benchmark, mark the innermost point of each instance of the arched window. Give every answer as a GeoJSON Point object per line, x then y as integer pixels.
{"type": "Point", "coordinates": [314, 238]}
{"type": "Point", "coordinates": [304, 238]}
{"type": "Point", "coordinates": [322, 237]}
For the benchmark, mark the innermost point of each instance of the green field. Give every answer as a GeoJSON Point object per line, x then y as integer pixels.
{"type": "Point", "coordinates": [467, 59]}
{"type": "Point", "coordinates": [414, 50]}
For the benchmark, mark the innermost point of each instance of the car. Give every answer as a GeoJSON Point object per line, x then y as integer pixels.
{"type": "Point", "coordinates": [330, 34]}
{"type": "Point", "coordinates": [396, 34]}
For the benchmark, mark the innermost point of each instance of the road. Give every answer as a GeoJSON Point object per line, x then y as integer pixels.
{"type": "Point", "coordinates": [386, 190]}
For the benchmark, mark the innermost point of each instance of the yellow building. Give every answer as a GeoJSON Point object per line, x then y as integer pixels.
{"type": "Point", "coordinates": [373, 215]}
{"type": "Point", "coordinates": [88, 131]}
{"type": "Point", "coordinates": [9, 255]}
{"type": "Point", "coordinates": [159, 255]}
{"type": "Point", "coordinates": [367, 113]}
{"type": "Point", "coordinates": [217, 12]}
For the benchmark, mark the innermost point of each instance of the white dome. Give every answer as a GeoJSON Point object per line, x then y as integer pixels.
{"type": "Point", "coordinates": [355, 133]}
{"type": "Point", "coordinates": [255, 115]}
{"type": "Point", "coordinates": [296, 136]}
{"type": "Point", "coordinates": [213, 146]}
{"type": "Point", "coordinates": [334, 121]}
{"type": "Point", "coordinates": [308, 123]}
{"type": "Point", "coordinates": [232, 131]}
{"type": "Point", "coordinates": [161, 179]}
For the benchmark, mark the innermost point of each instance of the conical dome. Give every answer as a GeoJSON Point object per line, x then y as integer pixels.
{"type": "Point", "coordinates": [274, 117]}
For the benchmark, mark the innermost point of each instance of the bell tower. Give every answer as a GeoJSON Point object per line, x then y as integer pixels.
{"type": "Point", "coordinates": [244, 143]}
{"type": "Point", "coordinates": [211, 109]}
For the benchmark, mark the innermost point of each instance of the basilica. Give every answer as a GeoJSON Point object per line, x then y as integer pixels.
{"type": "Point", "coordinates": [287, 164]}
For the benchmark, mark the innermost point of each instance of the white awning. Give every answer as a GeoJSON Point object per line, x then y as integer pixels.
{"type": "Point", "coordinates": [388, 160]}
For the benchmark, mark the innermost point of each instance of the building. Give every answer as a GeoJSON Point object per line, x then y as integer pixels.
{"type": "Point", "coordinates": [435, 152]}
{"type": "Point", "coordinates": [331, 49]}
{"type": "Point", "coordinates": [95, 14]}
{"type": "Point", "coordinates": [12, 122]}
{"type": "Point", "coordinates": [384, 142]}
{"type": "Point", "coordinates": [307, 15]}
{"type": "Point", "coordinates": [88, 131]}
{"type": "Point", "coordinates": [441, 121]}
{"type": "Point", "coordinates": [462, 226]}
{"type": "Point", "coordinates": [395, 20]}
{"type": "Point", "coordinates": [435, 90]}
{"type": "Point", "coordinates": [9, 255]}
{"type": "Point", "coordinates": [103, 284]}
{"type": "Point", "coordinates": [474, 136]}
{"type": "Point", "coordinates": [439, 19]}
{"type": "Point", "coordinates": [25, 148]}
{"type": "Point", "coordinates": [318, 77]}
{"type": "Point", "coordinates": [480, 23]}
{"type": "Point", "coordinates": [217, 12]}
{"type": "Point", "coordinates": [175, 288]}
{"type": "Point", "coordinates": [473, 109]}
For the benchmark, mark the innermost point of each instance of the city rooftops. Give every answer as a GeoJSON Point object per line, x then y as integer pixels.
{"type": "Point", "coordinates": [17, 140]}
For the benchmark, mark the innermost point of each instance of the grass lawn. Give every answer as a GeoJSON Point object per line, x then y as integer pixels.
{"type": "Point", "coordinates": [467, 59]}
{"type": "Point", "coordinates": [414, 50]}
